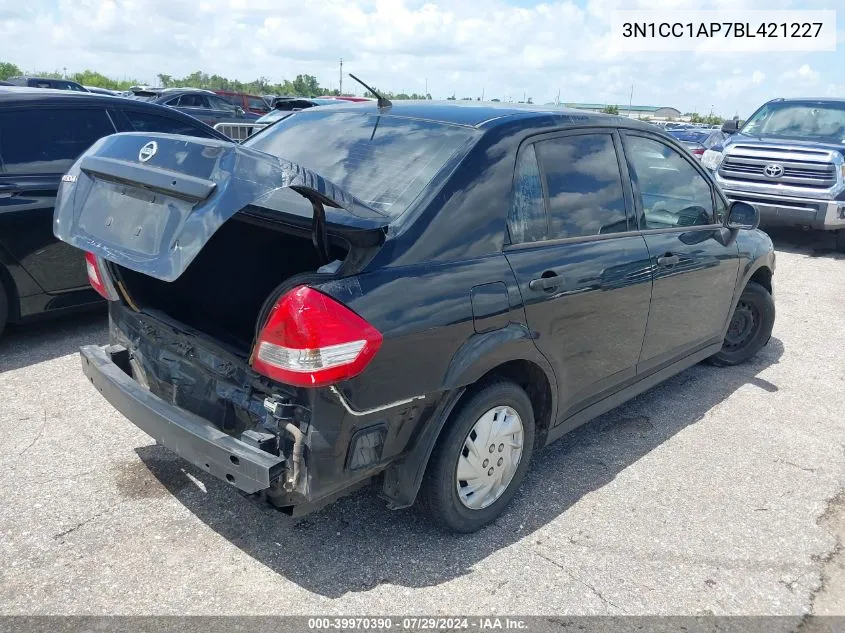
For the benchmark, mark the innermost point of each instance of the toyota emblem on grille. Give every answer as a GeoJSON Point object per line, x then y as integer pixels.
{"type": "Point", "coordinates": [773, 170]}
{"type": "Point", "coordinates": [149, 150]}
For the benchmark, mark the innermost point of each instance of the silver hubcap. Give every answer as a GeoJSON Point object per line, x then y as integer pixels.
{"type": "Point", "coordinates": [489, 457]}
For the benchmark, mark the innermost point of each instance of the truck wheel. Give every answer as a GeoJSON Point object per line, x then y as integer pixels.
{"type": "Point", "coordinates": [4, 308]}
{"type": "Point", "coordinates": [750, 327]}
{"type": "Point", "coordinates": [481, 458]}
{"type": "Point", "coordinates": [840, 240]}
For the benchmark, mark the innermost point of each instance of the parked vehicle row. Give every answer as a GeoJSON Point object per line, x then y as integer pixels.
{"type": "Point", "coordinates": [42, 133]}
{"type": "Point", "coordinates": [417, 294]}
{"type": "Point", "coordinates": [698, 140]}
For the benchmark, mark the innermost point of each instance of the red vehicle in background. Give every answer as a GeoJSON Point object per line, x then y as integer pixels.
{"type": "Point", "coordinates": [249, 103]}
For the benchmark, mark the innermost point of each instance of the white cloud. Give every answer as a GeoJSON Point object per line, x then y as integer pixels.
{"type": "Point", "coordinates": [804, 75]}
{"type": "Point", "coordinates": [460, 46]}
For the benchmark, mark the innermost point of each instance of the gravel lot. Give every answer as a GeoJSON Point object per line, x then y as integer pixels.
{"type": "Point", "coordinates": [719, 492]}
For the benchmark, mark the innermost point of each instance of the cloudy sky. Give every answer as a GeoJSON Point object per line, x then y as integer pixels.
{"type": "Point", "coordinates": [505, 48]}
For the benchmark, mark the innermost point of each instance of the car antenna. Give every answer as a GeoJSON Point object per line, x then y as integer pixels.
{"type": "Point", "coordinates": [382, 101]}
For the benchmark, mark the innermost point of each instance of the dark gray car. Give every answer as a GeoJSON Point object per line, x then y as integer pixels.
{"type": "Point", "coordinates": [201, 104]}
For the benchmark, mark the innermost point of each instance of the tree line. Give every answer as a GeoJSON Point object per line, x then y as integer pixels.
{"type": "Point", "coordinates": [303, 85]}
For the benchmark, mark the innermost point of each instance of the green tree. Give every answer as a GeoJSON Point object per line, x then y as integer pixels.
{"type": "Point", "coordinates": [610, 109]}
{"type": "Point", "coordinates": [306, 85]}
{"type": "Point", "coordinates": [7, 69]}
{"type": "Point", "coordinates": [92, 78]}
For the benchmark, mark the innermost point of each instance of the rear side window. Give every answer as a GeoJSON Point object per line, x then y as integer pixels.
{"type": "Point", "coordinates": [48, 141]}
{"type": "Point", "coordinates": [222, 104]}
{"type": "Point", "coordinates": [385, 161]}
{"type": "Point", "coordinates": [191, 101]}
{"type": "Point", "coordinates": [147, 122]}
{"type": "Point", "coordinates": [584, 184]}
{"type": "Point", "coordinates": [527, 221]}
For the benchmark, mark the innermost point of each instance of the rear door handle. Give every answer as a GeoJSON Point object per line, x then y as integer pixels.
{"type": "Point", "coordinates": [668, 260]}
{"type": "Point", "coordinates": [547, 283]}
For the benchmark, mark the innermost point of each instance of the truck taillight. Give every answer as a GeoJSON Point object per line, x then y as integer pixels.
{"type": "Point", "coordinates": [99, 278]}
{"type": "Point", "coordinates": [311, 340]}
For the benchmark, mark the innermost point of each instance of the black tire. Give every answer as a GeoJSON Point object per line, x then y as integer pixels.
{"type": "Point", "coordinates": [4, 308]}
{"type": "Point", "coordinates": [744, 340]}
{"type": "Point", "coordinates": [439, 494]}
{"type": "Point", "coordinates": [840, 240]}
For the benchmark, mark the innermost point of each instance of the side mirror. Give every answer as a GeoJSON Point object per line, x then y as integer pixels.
{"type": "Point", "coordinates": [239, 111]}
{"type": "Point", "coordinates": [742, 216]}
{"type": "Point", "coordinates": [730, 126]}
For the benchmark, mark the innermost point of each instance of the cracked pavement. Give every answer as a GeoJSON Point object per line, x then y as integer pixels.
{"type": "Point", "coordinates": [719, 492]}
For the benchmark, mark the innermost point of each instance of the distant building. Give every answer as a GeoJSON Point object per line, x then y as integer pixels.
{"type": "Point", "coordinates": [654, 113]}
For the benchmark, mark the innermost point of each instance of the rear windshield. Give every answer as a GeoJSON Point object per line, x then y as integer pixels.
{"type": "Point", "coordinates": [384, 161]}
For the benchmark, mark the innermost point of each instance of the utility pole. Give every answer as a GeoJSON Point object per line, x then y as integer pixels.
{"type": "Point", "coordinates": [631, 100]}
{"type": "Point", "coordinates": [482, 93]}
{"type": "Point", "coordinates": [426, 87]}
{"type": "Point", "coordinates": [557, 99]}
{"type": "Point", "coordinates": [341, 76]}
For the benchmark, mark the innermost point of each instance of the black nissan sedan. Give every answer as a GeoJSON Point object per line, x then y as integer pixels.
{"type": "Point", "coordinates": [414, 295]}
{"type": "Point", "coordinates": [42, 132]}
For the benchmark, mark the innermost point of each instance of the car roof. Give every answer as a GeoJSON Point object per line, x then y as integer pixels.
{"type": "Point", "coordinates": [29, 93]}
{"type": "Point", "coordinates": [484, 115]}
{"type": "Point", "coordinates": [811, 99]}
{"type": "Point", "coordinates": [170, 92]}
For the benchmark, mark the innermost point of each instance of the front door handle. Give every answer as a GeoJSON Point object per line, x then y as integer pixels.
{"type": "Point", "coordinates": [547, 283]}
{"type": "Point", "coordinates": [668, 260]}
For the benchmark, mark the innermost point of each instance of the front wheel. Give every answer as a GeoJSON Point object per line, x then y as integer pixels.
{"type": "Point", "coordinates": [750, 327]}
{"type": "Point", "coordinates": [481, 458]}
{"type": "Point", "coordinates": [840, 240]}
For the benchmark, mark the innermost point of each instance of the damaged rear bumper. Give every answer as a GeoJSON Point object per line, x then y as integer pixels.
{"type": "Point", "coordinates": [191, 437]}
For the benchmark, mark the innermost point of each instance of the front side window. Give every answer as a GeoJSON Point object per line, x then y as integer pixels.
{"type": "Point", "coordinates": [527, 221]}
{"type": "Point", "coordinates": [584, 185]}
{"type": "Point", "coordinates": [48, 141]}
{"type": "Point", "coordinates": [672, 192]}
{"type": "Point", "coordinates": [255, 103]}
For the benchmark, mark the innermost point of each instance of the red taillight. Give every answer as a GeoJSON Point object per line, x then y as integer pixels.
{"type": "Point", "coordinates": [697, 151]}
{"type": "Point", "coordinates": [311, 340]}
{"type": "Point", "coordinates": [98, 277]}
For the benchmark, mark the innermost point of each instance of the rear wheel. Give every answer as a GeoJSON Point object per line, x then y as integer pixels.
{"type": "Point", "coordinates": [4, 308]}
{"type": "Point", "coordinates": [480, 460]}
{"type": "Point", "coordinates": [750, 327]}
{"type": "Point", "coordinates": [840, 240]}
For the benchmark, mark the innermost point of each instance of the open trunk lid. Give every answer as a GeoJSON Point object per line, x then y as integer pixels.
{"type": "Point", "coordinates": [150, 202]}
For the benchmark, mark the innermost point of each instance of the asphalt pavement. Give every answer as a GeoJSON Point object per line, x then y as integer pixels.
{"type": "Point", "coordinates": [718, 492]}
